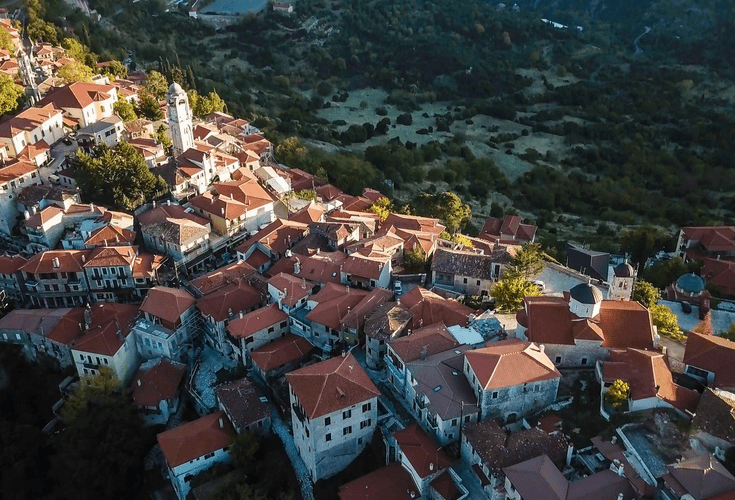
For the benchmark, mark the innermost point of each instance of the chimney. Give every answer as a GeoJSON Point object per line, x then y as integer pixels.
{"type": "Point", "coordinates": [139, 384]}
{"type": "Point", "coordinates": [153, 203]}
{"type": "Point", "coordinates": [431, 466]}
{"type": "Point", "coordinates": [91, 207]}
{"type": "Point", "coordinates": [542, 348]}
{"type": "Point", "coordinates": [303, 283]}
{"type": "Point", "coordinates": [26, 215]}
{"type": "Point", "coordinates": [240, 314]}
{"type": "Point", "coordinates": [56, 262]}
{"type": "Point", "coordinates": [221, 423]}
{"type": "Point", "coordinates": [297, 266]}
{"type": "Point", "coordinates": [84, 258]}
{"type": "Point", "coordinates": [423, 353]}
{"type": "Point", "coordinates": [168, 203]}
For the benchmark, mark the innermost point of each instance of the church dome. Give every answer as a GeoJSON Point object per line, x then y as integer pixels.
{"type": "Point", "coordinates": [586, 294]}
{"type": "Point", "coordinates": [623, 270]}
{"type": "Point", "coordinates": [690, 283]}
{"type": "Point", "coordinates": [175, 88]}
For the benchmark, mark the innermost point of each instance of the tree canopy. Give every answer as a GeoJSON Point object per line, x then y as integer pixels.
{"type": "Point", "coordinates": [115, 69]}
{"type": "Point", "coordinates": [665, 321]}
{"type": "Point", "coordinates": [76, 72]}
{"type": "Point", "coordinates": [10, 94]}
{"type": "Point", "coordinates": [381, 208]}
{"type": "Point", "coordinates": [617, 394]}
{"type": "Point", "coordinates": [645, 293]}
{"type": "Point", "coordinates": [125, 110]}
{"type": "Point", "coordinates": [156, 85]}
{"type": "Point", "coordinates": [447, 207]}
{"type": "Point", "coordinates": [148, 107]}
{"type": "Point", "coordinates": [510, 291]}
{"type": "Point", "coordinates": [119, 175]}
{"type": "Point", "coordinates": [526, 263]}
{"type": "Point", "coordinates": [6, 43]}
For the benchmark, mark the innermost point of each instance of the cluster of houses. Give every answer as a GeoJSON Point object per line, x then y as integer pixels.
{"type": "Point", "coordinates": [310, 296]}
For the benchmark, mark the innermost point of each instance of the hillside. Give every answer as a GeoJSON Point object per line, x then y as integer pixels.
{"type": "Point", "coordinates": [569, 126]}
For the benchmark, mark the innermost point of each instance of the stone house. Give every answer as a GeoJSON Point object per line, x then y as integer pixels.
{"type": "Point", "coordinates": [280, 356]}
{"type": "Point", "coordinates": [157, 390]}
{"type": "Point", "coordinates": [387, 322]}
{"type": "Point", "coordinates": [245, 406]}
{"type": "Point", "coordinates": [511, 378]}
{"type": "Point", "coordinates": [709, 359]}
{"type": "Point", "coordinates": [470, 273]}
{"type": "Point", "coordinates": [255, 329]}
{"type": "Point", "coordinates": [333, 424]}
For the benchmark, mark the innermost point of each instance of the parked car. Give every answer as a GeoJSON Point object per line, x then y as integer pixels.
{"type": "Point", "coordinates": [397, 287]}
{"type": "Point", "coordinates": [540, 284]}
{"type": "Point", "coordinates": [686, 308]}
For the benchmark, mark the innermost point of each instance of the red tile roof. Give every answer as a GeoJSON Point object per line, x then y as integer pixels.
{"type": "Point", "coordinates": [412, 223]}
{"type": "Point", "coordinates": [16, 169]}
{"type": "Point", "coordinates": [10, 264]}
{"type": "Point", "coordinates": [241, 401]}
{"type": "Point", "coordinates": [648, 376]}
{"type": "Point", "coordinates": [429, 308]}
{"type": "Point", "coordinates": [160, 382]}
{"type": "Point", "coordinates": [278, 236]}
{"type": "Point", "coordinates": [323, 268]}
{"type": "Point", "coordinates": [110, 235]}
{"type": "Point", "coordinates": [219, 205]}
{"type": "Point", "coordinates": [223, 276]}
{"type": "Point", "coordinates": [295, 288]}
{"type": "Point", "coordinates": [167, 303]}
{"type": "Point", "coordinates": [623, 323]}
{"type": "Point", "coordinates": [391, 482]}
{"type": "Point", "coordinates": [256, 321]}
{"type": "Point", "coordinates": [510, 362]}
{"type": "Point", "coordinates": [330, 312]}
{"type": "Point", "coordinates": [714, 354]}
{"type": "Point", "coordinates": [360, 266]}
{"type": "Point", "coordinates": [195, 439]}
{"type": "Point", "coordinates": [77, 95]}
{"type": "Point", "coordinates": [331, 385]}
{"type": "Point", "coordinates": [309, 214]}
{"type": "Point", "coordinates": [111, 323]}
{"type": "Point", "coordinates": [257, 259]}
{"type": "Point", "coordinates": [284, 350]}
{"type": "Point", "coordinates": [507, 230]}
{"type": "Point", "coordinates": [68, 261]}
{"type": "Point", "coordinates": [445, 486]}
{"type": "Point", "coordinates": [712, 238]}
{"type": "Point", "coordinates": [720, 273]}
{"type": "Point", "coordinates": [434, 338]}
{"type": "Point", "coordinates": [230, 299]}
{"type": "Point", "coordinates": [421, 450]}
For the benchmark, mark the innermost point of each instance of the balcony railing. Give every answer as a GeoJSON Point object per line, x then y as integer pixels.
{"type": "Point", "coordinates": [298, 412]}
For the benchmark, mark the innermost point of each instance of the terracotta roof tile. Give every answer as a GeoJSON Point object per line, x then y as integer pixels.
{"type": "Point", "coordinates": [331, 385]}
{"type": "Point", "coordinates": [714, 354]}
{"type": "Point", "coordinates": [229, 299]}
{"type": "Point", "coordinates": [421, 450]}
{"type": "Point", "coordinates": [281, 351]}
{"type": "Point", "coordinates": [157, 382]}
{"type": "Point", "coordinates": [45, 262]}
{"type": "Point", "coordinates": [434, 338]}
{"type": "Point", "coordinates": [510, 362]}
{"type": "Point", "coordinates": [278, 236]}
{"type": "Point", "coordinates": [648, 376]}
{"type": "Point", "coordinates": [10, 264]}
{"type": "Point", "coordinates": [195, 439]}
{"type": "Point", "coordinates": [167, 303]}
{"type": "Point", "coordinates": [223, 276]}
{"type": "Point", "coordinates": [429, 308]}
{"type": "Point", "coordinates": [295, 288]}
{"type": "Point", "coordinates": [111, 323]}
{"type": "Point", "coordinates": [391, 482]}
{"type": "Point", "coordinates": [256, 321]}
{"type": "Point", "coordinates": [241, 401]}
{"type": "Point", "coordinates": [386, 320]}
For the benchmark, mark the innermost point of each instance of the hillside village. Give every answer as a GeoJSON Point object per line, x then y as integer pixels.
{"type": "Point", "coordinates": [340, 342]}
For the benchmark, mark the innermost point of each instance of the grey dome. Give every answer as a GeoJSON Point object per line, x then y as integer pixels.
{"type": "Point", "coordinates": [690, 283]}
{"type": "Point", "coordinates": [624, 270]}
{"type": "Point", "coordinates": [175, 88]}
{"type": "Point", "coordinates": [586, 294]}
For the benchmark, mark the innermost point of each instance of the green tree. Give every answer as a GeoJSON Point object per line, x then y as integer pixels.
{"type": "Point", "coordinates": [381, 208]}
{"type": "Point", "coordinates": [115, 69]}
{"type": "Point", "coordinates": [74, 49]}
{"type": "Point", "coordinates": [210, 104]}
{"type": "Point", "coordinates": [97, 388]}
{"type": "Point", "coordinates": [665, 321]}
{"type": "Point", "coordinates": [291, 152]}
{"type": "Point", "coordinates": [457, 238]}
{"type": "Point", "coordinates": [105, 434]}
{"type": "Point", "coordinates": [414, 261]}
{"type": "Point", "coordinates": [125, 110]}
{"type": "Point", "coordinates": [306, 194]}
{"type": "Point", "coordinates": [162, 137]}
{"type": "Point", "coordinates": [510, 291]}
{"type": "Point", "coordinates": [646, 294]}
{"type": "Point", "coordinates": [448, 207]}
{"type": "Point", "coordinates": [6, 43]}
{"type": "Point", "coordinates": [117, 174]}
{"type": "Point", "coordinates": [617, 394]}
{"type": "Point", "coordinates": [76, 72]}
{"type": "Point", "coordinates": [729, 334]}
{"type": "Point", "coordinates": [663, 273]}
{"type": "Point", "coordinates": [643, 242]}
{"type": "Point", "coordinates": [149, 107]}
{"type": "Point", "coordinates": [526, 263]}
{"type": "Point", "coordinates": [156, 84]}
{"type": "Point", "coordinates": [10, 94]}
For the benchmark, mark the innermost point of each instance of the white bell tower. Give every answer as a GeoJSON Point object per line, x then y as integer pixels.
{"type": "Point", "coordinates": [179, 119]}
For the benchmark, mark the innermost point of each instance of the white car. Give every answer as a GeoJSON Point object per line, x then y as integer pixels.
{"type": "Point", "coordinates": [397, 287]}
{"type": "Point", "coordinates": [540, 284]}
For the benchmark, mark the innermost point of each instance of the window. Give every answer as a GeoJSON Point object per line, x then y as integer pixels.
{"type": "Point", "coordinates": [284, 324]}
{"type": "Point", "coordinates": [495, 395]}
{"type": "Point", "coordinates": [347, 430]}
{"type": "Point", "coordinates": [346, 414]}
{"type": "Point", "coordinates": [464, 281]}
{"type": "Point", "coordinates": [454, 422]}
{"type": "Point", "coordinates": [584, 361]}
{"type": "Point", "coordinates": [306, 430]}
{"type": "Point", "coordinates": [359, 441]}
{"type": "Point", "coordinates": [366, 407]}
{"type": "Point", "coordinates": [365, 423]}
{"type": "Point", "coordinates": [557, 360]}
{"type": "Point", "coordinates": [328, 437]}
{"type": "Point", "coordinates": [208, 455]}
{"type": "Point", "coordinates": [466, 419]}
{"type": "Point", "coordinates": [478, 282]}
{"type": "Point", "coordinates": [327, 420]}
{"type": "Point", "coordinates": [271, 329]}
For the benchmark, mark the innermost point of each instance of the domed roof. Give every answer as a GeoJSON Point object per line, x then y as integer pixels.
{"type": "Point", "coordinates": [585, 293]}
{"type": "Point", "coordinates": [623, 270]}
{"type": "Point", "coordinates": [690, 283]}
{"type": "Point", "coordinates": [175, 88]}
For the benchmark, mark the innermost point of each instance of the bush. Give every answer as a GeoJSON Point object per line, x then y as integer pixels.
{"type": "Point", "coordinates": [404, 119]}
